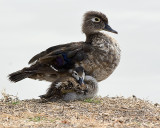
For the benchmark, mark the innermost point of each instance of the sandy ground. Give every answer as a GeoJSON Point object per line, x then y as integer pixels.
{"type": "Point", "coordinates": [107, 112]}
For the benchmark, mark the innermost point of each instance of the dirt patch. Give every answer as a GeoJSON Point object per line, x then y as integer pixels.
{"type": "Point", "coordinates": [110, 112]}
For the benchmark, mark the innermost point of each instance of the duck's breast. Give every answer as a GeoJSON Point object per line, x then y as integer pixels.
{"type": "Point", "coordinates": [102, 60]}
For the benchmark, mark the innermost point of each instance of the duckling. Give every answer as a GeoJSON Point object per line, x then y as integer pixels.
{"type": "Point", "coordinates": [89, 90]}
{"type": "Point", "coordinates": [99, 54]}
{"type": "Point", "coordinates": [72, 83]}
{"type": "Point", "coordinates": [77, 87]}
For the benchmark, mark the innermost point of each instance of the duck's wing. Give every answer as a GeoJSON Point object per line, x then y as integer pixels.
{"type": "Point", "coordinates": [61, 57]}
{"type": "Point", "coordinates": [55, 49]}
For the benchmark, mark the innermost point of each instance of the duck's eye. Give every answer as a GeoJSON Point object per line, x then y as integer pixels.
{"type": "Point", "coordinates": [96, 19]}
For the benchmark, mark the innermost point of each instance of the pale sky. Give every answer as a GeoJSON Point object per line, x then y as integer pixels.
{"type": "Point", "coordinates": [27, 27]}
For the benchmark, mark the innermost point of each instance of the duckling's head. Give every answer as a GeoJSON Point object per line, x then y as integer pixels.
{"type": "Point", "coordinates": [94, 22]}
{"type": "Point", "coordinates": [79, 74]}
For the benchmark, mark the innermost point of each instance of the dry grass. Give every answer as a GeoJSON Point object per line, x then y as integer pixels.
{"type": "Point", "coordinates": [107, 112]}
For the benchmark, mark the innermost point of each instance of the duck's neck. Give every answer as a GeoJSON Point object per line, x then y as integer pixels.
{"type": "Point", "coordinates": [93, 38]}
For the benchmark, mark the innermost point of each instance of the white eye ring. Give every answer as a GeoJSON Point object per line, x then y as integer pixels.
{"type": "Point", "coordinates": [96, 19]}
{"type": "Point", "coordinates": [75, 73]}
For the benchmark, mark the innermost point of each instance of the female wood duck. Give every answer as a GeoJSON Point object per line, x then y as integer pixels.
{"type": "Point", "coordinates": [99, 55]}
{"type": "Point", "coordinates": [76, 87]}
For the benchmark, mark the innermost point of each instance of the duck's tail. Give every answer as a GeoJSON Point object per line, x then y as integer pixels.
{"type": "Point", "coordinates": [20, 75]}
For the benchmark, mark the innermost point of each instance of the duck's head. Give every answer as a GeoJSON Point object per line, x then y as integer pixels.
{"type": "Point", "coordinates": [94, 22]}
{"type": "Point", "coordinates": [79, 74]}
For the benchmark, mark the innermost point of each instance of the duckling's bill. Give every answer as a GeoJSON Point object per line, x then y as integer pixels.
{"type": "Point", "coordinates": [81, 81]}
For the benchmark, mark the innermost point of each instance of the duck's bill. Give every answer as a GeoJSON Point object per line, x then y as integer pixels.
{"type": "Point", "coordinates": [109, 29]}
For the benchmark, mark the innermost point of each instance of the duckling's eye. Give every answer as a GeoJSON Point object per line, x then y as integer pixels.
{"type": "Point", "coordinates": [96, 19]}
{"type": "Point", "coordinates": [75, 73]}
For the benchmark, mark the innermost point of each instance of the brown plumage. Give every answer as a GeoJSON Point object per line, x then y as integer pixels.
{"type": "Point", "coordinates": [99, 55]}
